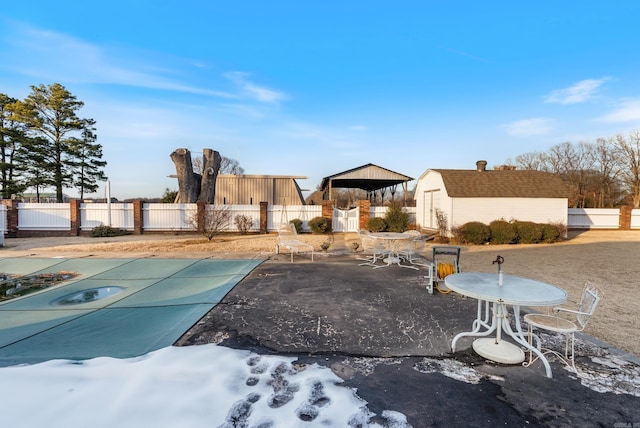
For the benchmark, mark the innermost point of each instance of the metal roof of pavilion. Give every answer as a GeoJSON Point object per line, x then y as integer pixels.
{"type": "Point", "coordinates": [367, 177]}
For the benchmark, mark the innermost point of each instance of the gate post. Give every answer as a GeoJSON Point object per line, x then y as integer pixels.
{"type": "Point", "coordinates": [364, 208]}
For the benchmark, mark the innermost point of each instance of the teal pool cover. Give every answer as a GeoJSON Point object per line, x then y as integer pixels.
{"type": "Point", "coordinates": [114, 307]}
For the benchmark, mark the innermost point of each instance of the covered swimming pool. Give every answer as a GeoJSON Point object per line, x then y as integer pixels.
{"type": "Point", "coordinates": [115, 307]}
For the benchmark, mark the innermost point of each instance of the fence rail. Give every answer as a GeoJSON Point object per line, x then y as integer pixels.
{"type": "Point", "coordinates": [56, 217]}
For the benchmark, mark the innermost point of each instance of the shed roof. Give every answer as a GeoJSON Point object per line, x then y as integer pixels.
{"type": "Point", "coordinates": [367, 177]}
{"type": "Point", "coordinates": [462, 183]}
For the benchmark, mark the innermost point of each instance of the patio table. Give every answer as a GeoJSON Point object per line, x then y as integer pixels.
{"type": "Point", "coordinates": [391, 240]}
{"type": "Point", "coordinates": [514, 291]}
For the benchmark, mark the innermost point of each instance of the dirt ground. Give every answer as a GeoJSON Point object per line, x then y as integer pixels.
{"type": "Point", "coordinates": [609, 259]}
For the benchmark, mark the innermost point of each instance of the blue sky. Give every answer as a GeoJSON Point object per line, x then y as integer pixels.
{"type": "Point", "coordinates": [314, 88]}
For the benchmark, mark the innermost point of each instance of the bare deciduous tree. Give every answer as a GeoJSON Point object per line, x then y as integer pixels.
{"type": "Point", "coordinates": [211, 221]}
{"type": "Point", "coordinates": [628, 150]}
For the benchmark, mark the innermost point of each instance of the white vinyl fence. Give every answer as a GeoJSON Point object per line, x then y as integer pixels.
{"type": "Point", "coordinates": [3, 219]}
{"type": "Point", "coordinates": [3, 224]}
{"type": "Point", "coordinates": [34, 216]}
{"type": "Point", "coordinates": [168, 217]}
{"type": "Point", "coordinates": [118, 215]}
{"type": "Point", "coordinates": [179, 217]}
{"type": "Point", "coordinates": [278, 215]}
{"type": "Point", "coordinates": [594, 218]}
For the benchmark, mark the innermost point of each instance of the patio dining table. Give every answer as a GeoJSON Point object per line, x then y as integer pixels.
{"type": "Point", "coordinates": [514, 291]}
{"type": "Point", "coordinates": [392, 239]}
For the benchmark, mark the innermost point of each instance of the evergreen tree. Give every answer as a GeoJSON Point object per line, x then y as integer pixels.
{"type": "Point", "coordinates": [50, 114]}
{"type": "Point", "coordinates": [87, 165]}
{"type": "Point", "coordinates": [12, 136]}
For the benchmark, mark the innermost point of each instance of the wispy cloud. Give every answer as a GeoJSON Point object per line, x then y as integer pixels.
{"type": "Point", "coordinates": [52, 56]}
{"type": "Point", "coordinates": [465, 54]}
{"type": "Point", "coordinates": [626, 111]}
{"type": "Point", "coordinates": [252, 90]}
{"type": "Point", "coordinates": [581, 92]}
{"type": "Point", "coordinates": [358, 128]}
{"type": "Point", "coordinates": [528, 127]}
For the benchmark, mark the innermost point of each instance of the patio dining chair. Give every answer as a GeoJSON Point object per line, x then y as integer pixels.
{"type": "Point", "coordinates": [373, 249]}
{"type": "Point", "coordinates": [410, 249]}
{"type": "Point", "coordinates": [563, 325]}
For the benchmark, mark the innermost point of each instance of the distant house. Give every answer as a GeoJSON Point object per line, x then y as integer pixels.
{"type": "Point", "coordinates": [486, 195]}
{"type": "Point", "coordinates": [244, 189]}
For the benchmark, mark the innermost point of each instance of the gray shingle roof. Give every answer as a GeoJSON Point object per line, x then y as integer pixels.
{"type": "Point", "coordinates": [502, 184]}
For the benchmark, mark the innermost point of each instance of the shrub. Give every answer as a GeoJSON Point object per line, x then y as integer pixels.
{"type": "Point", "coordinates": [503, 232]}
{"type": "Point", "coordinates": [297, 223]}
{"type": "Point", "coordinates": [397, 218]}
{"type": "Point", "coordinates": [475, 232]}
{"type": "Point", "coordinates": [377, 224]}
{"type": "Point", "coordinates": [320, 225]}
{"type": "Point", "coordinates": [243, 223]}
{"type": "Point", "coordinates": [528, 232]}
{"type": "Point", "coordinates": [550, 233]}
{"type": "Point", "coordinates": [103, 231]}
{"type": "Point", "coordinates": [561, 228]}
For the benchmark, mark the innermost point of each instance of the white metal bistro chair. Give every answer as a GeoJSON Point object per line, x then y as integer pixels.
{"type": "Point", "coordinates": [568, 327]}
{"type": "Point", "coordinates": [410, 249]}
{"type": "Point", "coordinates": [373, 249]}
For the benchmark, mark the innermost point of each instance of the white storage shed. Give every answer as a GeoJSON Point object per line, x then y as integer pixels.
{"type": "Point", "coordinates": [486, 195]}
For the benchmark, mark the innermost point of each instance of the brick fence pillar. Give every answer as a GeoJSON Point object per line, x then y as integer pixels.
{"type": "Point", "coordinates": [138, 218]}
{"type": "Point", "coordinates": [625, 218]}
{"type": "Point", "coordinates": [364, 210]}
{"type": "Point", "coordinates": [12, 217]}
{"type": "Point", "coordinates": [327, 209]}
{"type": "Point", "coordinates": [75, 217]}
{"type": "Point", "coordinates": [263, 217]}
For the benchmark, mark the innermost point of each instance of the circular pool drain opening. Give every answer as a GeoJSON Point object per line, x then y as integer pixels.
{"type": "Point", "coordinates": [86, 296]}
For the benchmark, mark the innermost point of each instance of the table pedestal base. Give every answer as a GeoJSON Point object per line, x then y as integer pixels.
{"type": "Point", "coordinates": [501, 352]}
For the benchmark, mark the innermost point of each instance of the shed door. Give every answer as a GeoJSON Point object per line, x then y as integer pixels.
{"type": "Point", "coordinates": [431, 204]}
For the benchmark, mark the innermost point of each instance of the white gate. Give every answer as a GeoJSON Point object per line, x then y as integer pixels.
{"type": "Point", "coordinates": [345, 220]}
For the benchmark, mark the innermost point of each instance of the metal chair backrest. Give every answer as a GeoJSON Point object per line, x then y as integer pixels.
{"type": "Point", "coordinates": [368, 243]}
{"type": "Point", "coordinates": [588, 303]}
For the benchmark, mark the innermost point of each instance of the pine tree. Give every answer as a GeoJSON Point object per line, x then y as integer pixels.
{"type": "Point", "coordinates": [12, 138]}
{"type": "Point", "coordinates": [87, 165]}
{"type": "Point", "coordinates": [64, 144]}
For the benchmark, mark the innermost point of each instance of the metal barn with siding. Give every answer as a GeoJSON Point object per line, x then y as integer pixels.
{"type": "Point", "coordinates": [486, 195]}
{"type": "Point", "coordinates": [244, 189]}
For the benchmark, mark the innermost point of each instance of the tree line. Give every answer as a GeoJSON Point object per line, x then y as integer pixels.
{"type": "Point", "coordinates": [45, 144]}
{"type": "Point", "coordinates": [600, 174]}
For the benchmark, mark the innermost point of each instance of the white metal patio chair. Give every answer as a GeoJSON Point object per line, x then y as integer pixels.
{"type": "Point", "coordinates": [288, 238]}
{"type": "Point", "coordinates": [373, 249]}
{"type": "Point", "coordinates": [568, 327]}
{"type": "Point", "coordinates": [410, 249]}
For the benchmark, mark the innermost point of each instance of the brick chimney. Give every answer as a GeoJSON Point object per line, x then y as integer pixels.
{"type": "Point", "coordinates": [481, 165]}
